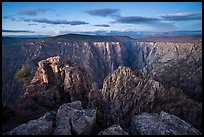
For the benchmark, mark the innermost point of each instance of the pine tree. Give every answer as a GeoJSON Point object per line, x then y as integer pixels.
{"type": "Point", "coordinates": [23, 74]}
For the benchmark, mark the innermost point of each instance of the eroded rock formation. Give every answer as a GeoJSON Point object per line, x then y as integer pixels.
{"type": "Point", "coordinates": [129, 93]}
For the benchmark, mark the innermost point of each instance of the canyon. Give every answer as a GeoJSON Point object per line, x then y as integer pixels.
{"type": "Point", "coordinates": [114, 78]}
{"type": "Point", "coordinates": [100, 58]}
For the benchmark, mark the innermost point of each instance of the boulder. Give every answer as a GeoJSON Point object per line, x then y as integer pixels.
{"type": "Point", "coordinates": [41, 126]}
{"type": "Point", "coordinates": [64, 114]}
{"type": "Point", "coordinates": [113, 130]}
{"type": "Point", "coordinates": [160, 124]}
{"type": "Point", "coordinates": [72, 119]}
{"type": "Point", "coordinates": [83, 122]}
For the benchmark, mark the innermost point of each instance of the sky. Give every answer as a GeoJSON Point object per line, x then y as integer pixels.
{"type": "Point", "coordinates": [56, 18]}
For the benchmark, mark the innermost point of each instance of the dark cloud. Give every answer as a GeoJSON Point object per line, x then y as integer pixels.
{"type": "Point", "coordinates": [103, 12]}
{"type": "Point", "coordinates": [182, 16]}
{"type": "Point", "coordinates": [32, 24]}
{"type": "Point", "coordinates": [102, 25]}
{"type": "Point", "coordinates": [136, 20]}
{"type": "Point", "coordinates": [57, 22]}
{"type": "Point", "coordinates": [18, 31]}
{"type": "Point", "coordinates": [6, 17]}
{"type": "Point", "coordinates": [9, 17]}
{"type": "Point", "coordinates": [77, 22]}
{"type": "Point", "coordinates": [32, 12]}
{"type": "Point", "coordinates": [27, 20]}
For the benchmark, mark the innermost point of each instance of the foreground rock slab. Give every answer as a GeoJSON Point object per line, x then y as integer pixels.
{"type": "Point", "coordinates": [41, 126]}
{"type": "Point", "coordinates": [113, 130]}
{"type": "Point", "coordinates": [161, 124]}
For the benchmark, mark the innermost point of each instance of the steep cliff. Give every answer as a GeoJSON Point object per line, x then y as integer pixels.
{"type": "Point", "coordinates": [173, 64]}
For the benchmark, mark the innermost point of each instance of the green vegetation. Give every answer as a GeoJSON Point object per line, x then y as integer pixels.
{"type": "Point", "coordinates": [23, 74]}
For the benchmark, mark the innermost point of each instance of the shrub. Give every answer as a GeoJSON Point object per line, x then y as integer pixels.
{"type": "Point", "coordinates": [23, 74]}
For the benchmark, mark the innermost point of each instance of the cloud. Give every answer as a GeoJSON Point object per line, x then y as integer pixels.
{"type": "Point", "coordinates": [9, 17]}
{"type": "Point", "coordinates": [31, 24]}
{"type": "Point", "coordinates": [33, 12]}
{"type": "Point", "coordinates": [18, 31]}
{"type": "Point", "coordinates": [102, 25]}
{"type": "Point", "coordinates": [182, 16]}
{"type": "Point", "coordinates": [135, 20]}
{"type": "Point", "coordinates": [6, 17]}
{"type": "Point", "coordinates": [43, 20]}
{"type": "Point", "coordinates": [153, 22]}
{"type": "Point", "coordinates": [27, 20]}
{"type": "Point", "coordinates": [57, 22]}
{"type": "Point", "coordinates": [77, 22]}
{"type": "Point", "coordinates": [103, 12]}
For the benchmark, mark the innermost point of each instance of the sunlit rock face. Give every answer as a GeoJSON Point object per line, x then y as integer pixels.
{"type": "Point", "coordinates": [56, 73]}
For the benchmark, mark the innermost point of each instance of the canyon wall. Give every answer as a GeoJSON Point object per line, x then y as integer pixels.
{"type": "Point", "coordinates": [172, 64]}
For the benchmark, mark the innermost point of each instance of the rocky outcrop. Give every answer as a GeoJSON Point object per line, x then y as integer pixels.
{"type": "Point", "coordinates": [54, 72]}
{"type": "Point", "coordinates": [71, 119]}
{"type": "Point", "coordinates": [41, 126]}
{"type": "Point", "coordinates": [160, 124]}
{"type": "Point", "coordinates": [130, 93]}
{"type": "Point", "coordinates": [113, 130]}
{"type": "Point", "coordinates": [57, 81]}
